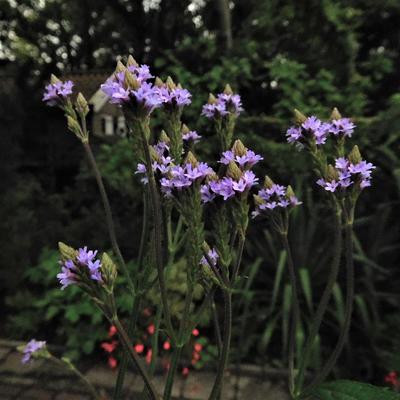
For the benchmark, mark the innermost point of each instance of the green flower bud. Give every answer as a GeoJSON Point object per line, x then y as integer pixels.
{"type": "Point", "coordinates": [164, 137]}
{"type": "Point", "coordinates": [158, 82]}
{"type": "Point", "coordinates": [335, 114]}
{"type": "Point", "coordinates": [130, 81]}
{"type": "Point", "coordinates": [191, 159]}
{"type": "Point", "coordinates": [212, 177]}
{"type": "Point", "coordinates": [120, 67]}
{"type": "Point", "coordinates": [211, 99]}
{"type": "Point", "coordinates": [331, 173]}
{"type": "Point", "coordinates": [228, 89]}
{"type": "Point", "coordinates": [258, 201]}
{"type": "Point", "coordinates": [74, 126]}
{"type": "Point", "coordinates": [108, 270]}
{"type": "Point", "coordinates": [170, 83]}
{"type": "Point", "coordinates": [132, 62]}
{"type": "Point", "coordinates": [81, 105]}
{"type": "Point", "coordinates": [153, 154]}
{"type": "Point", "coordinates": [299, 116]}
{"type": "Point", "coordinates": [355, 156]}
{"type": "Point", "coordinates": [54, 79]}
{"type": "Point", "coordinates": [268, 182]}
{"type": "Point", "coordinates": [239, 148]}
{"type": "Point", "coordinates": [289, 192]}
{"type": "Point", "coordinates": [234, 171]}
{"type": "Point", "coordinates": [67, 252]}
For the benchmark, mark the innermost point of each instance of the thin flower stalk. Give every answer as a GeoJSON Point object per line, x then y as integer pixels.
{"type": "Point", "coordinates": [323, 304]}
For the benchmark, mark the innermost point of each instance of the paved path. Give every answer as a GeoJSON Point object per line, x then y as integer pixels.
{"type": "Point", "coordinates": [43, 381]}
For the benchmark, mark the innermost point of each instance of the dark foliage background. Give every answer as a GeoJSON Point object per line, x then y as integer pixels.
{"type": "Point", "coordinates": [278, 55]}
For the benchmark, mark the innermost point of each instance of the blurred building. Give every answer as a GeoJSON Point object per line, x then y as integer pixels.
{"type": "Point", "coordinates": [105, 119]}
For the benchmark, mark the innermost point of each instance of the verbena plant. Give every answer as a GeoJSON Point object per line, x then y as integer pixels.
{"type": "Point", "coordinates": [201, 213]}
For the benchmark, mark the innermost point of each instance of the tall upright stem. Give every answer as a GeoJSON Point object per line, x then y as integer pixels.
{"type": "Point", "coordinates": [226, 342]}
{"type": "Point", "coordinates": [295, 311]}
{"type": "Point", "coordinates": [126, 342]}
{"type": "Point", "coordinates": [157, 218]}
{"type": "Point", "coordinates": [108, 213]}
{"type": "Point", "coordinates": [323, 304]}
{"type": "Point", "coordinates": [329, 365]}
{"type": "Point", "coordinates": [136, 303]}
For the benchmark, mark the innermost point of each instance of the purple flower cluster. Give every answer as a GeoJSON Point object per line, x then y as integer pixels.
{"type": "Point", "coordinates": [224, 104]}
{"type": "Point", "coordinates": [146, 95]}
{"type": "Point", "coordinates": [227, 187]}
{"type": "Point", "coordinates": [246, 160]}
{"type": "Point", "coordinates": [174, 176]}
{"type": "Point", "coordinates": [85, 262]}
{"type": "Point", "coordinates": [56, 93]}
{"type": "Point", "coordinates": [33, 346]}
{"type": "Point", "coordinates": [318, 130]}
{"type": "Point", "coordinates": [179, 177]}
{"type": "Point", "coordinates": [213, 256]}
{"type": "Point", "coordinates": [191, 136]}
{"type": "Point", "coordinates": [275, 196]}
{"type": "Point", "coordinates": [348, 174]}
{"type": "Point", "coordinates": [176, 97]}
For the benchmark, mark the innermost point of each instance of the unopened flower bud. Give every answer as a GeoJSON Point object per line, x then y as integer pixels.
{"type": "Point", "coordinates": [108, 270]}
{"type": "Point", "coordinates": [67, 252]}
{"type": "Point", "coordinates": [268, 182]}
{"type": "Point", "coordinates": [170, 83]}
{"type": "Point", "coordinates": [120, 67]}
{"type": "Point", "coordinates": [331, 173]}
{"type": "Point", "coordinates": [335, 114]}
{"type": "Point", "coordinates": [81, 105]}
{"type": "Point", "coordinates": [211, 177]}
{"type": "Point", "coordinates": [211, 99]}
{"type": "Point", "coordinates": [289, 192]}
{"type": "Point", "coordinates": [132, 62]}
{"type": "Point", "coordinates": [185, 129]}
{"type": "Point", "coordinates": [179, 86]}
{"type": "Point", "coordinates": [228, 89]}
{"type": "Point", "coordinates": [130, 81]}
{"type": "Point", "coordinates": [299, 116]}
{"type": "Point", "coordinates": [158, 82]}
{"type": "Point", "coordinates": [74, 126]}
{"type": "Point", "coordinates": [54, 79]}
{"type": "Point", "coordinates": [355, 156]}
{"type": "Point", "coordinates": [164, 137]}
{"type": "Point", "coordinates": [191, 159]}
{"type": "Point", "coordinates": [239, 148]}
{"type": "Point", "coordinates": [153, 154]}
{"type": "Point", "coordinates": [234, 171]}
{"type": "Point", "coordinates": [258, 201]}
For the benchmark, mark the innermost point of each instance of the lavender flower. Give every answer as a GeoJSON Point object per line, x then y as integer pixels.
{"type": "Point", "coordinates": [129, 86]}
{"type": "Point", "coordinates": [191, 136]}
{"type": "Point", "coordinates": [83, 266]}
{"type": "Point", "coordinates": [213, 256]}
{"type": "Point", "coordinates": [342, 126]}
{"type": "Point", "coordinates": [348, 173]}
{"type": "Point", "coordinates": [57, 92]}
{"type": "Point", "coordinates": [174, 97]}
{"type": "Point", "coordinates": [274, 196]}
{"type": "Point", "coordinates": [32, 347]}
{"type": "Point", "coordinates": [226, 103]}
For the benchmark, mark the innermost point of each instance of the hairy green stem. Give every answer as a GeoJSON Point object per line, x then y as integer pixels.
{"type": "Point", "coordinates": [329, 365]}
{"type": "Point", "coordinates": [108, 213]}
{"type": "Point", "coordinates": [295, 311]}
{"type": "Point", "coordinates": [136, 303]}
{"type": "Point", "coordinates": [323, 304]}
{"type": "Point", "coordinates": [226, 342]}
{"type": "Point", "coordinates": [126, 342]}
{"type": "Point", "coordinates": [65, 363]}
{"type": "Point", "coordinates": [157, 218]}
{"type": "Point", "coordinates": [177, 351]}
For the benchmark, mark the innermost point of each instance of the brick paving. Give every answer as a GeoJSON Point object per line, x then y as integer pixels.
{"type": "Point", "coordinates": [42, 381]}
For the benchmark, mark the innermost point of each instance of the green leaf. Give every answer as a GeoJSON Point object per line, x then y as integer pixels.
{"type": "Point", "coordinates": [352, 390]}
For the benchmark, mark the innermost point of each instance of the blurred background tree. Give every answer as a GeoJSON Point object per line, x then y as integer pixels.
{"type": "Point", "coordinates": [278, 54]}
